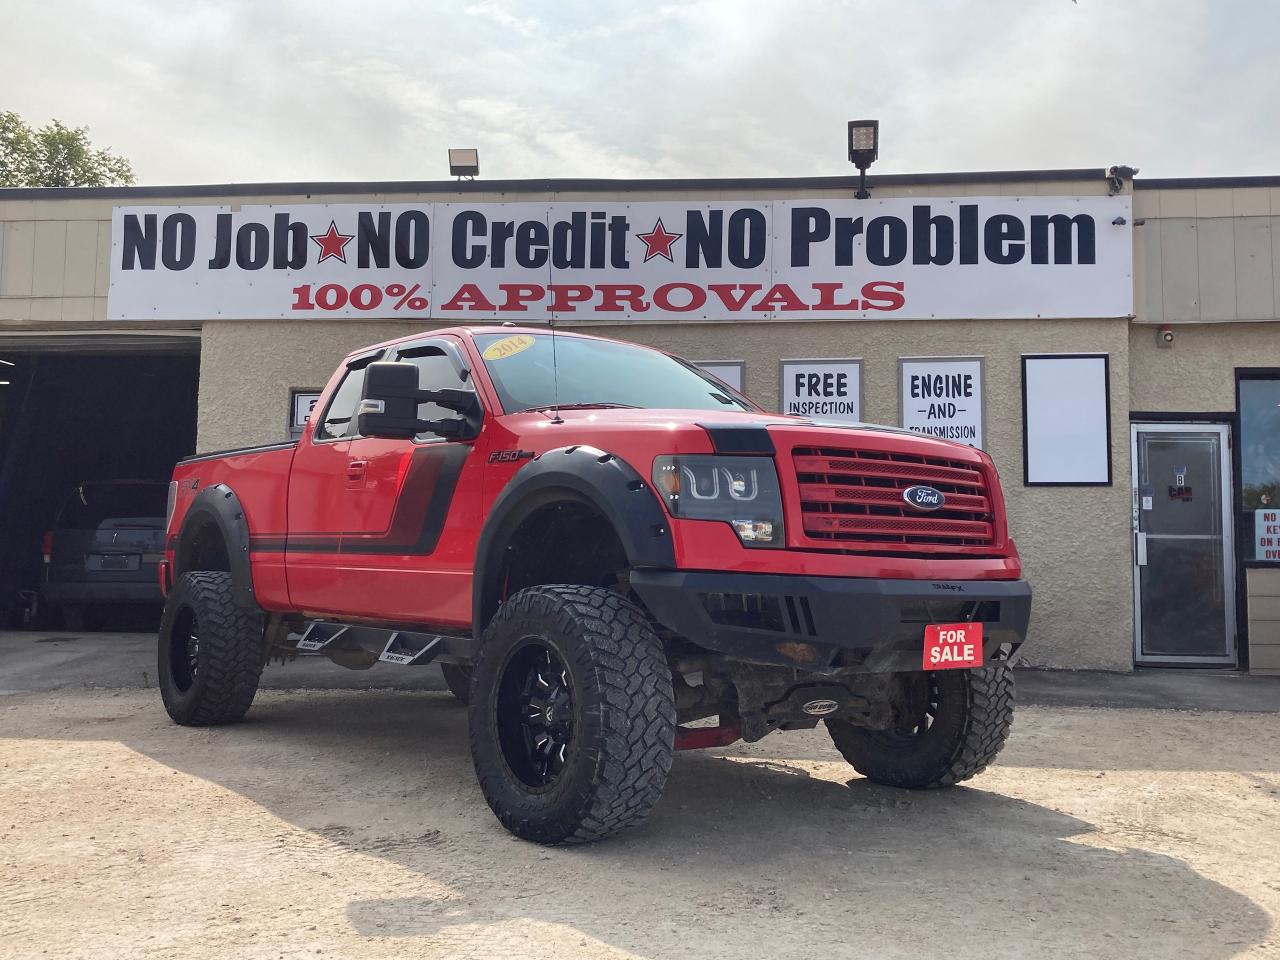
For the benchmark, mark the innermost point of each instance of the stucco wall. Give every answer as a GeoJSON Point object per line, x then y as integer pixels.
{"type": "Point", "coordinates": [247, 370]}
{"type": "Point", "coordinates": [1197, 373]}
{"type": "Point", "coordinates": [1081, 570]}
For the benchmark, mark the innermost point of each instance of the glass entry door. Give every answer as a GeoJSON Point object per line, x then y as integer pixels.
{"type": "Point", "coordinates": [1184, 559]}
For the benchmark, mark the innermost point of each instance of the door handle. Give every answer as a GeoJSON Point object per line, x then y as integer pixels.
{"type": "Point", "coordinates": [1141, 549]}
{"type": "Point", "coordinates": [356, 469]}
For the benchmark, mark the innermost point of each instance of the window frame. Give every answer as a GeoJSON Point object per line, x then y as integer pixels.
{"type": "Point", "coordinates": [355, 363]}
{"type": "Point", "coordinates": [454, 355]}
{"type": "Point", "coordinates": [1243, 526]}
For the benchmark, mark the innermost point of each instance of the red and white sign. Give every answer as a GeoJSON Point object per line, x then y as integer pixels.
{"type": "Point", "coordinates": [952, 646]}
{"type": "Point", "coordinates": [1266, 535]}
{"type": "Point", "coordinates": [962, 258]}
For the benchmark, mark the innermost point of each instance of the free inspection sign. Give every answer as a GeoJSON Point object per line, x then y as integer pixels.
{"type": "Point", "coordinates": [822, 389]}
{"type": "Point", "coordinates": [601, 260]}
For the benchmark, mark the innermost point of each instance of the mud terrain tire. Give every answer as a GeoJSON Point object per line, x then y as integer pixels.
{"type": "Point", "coordinates": [970, 714]}
{"type": "Point", "coordinates": [587, 666]}
{"type": "Point", "coordinates": [210, 652]}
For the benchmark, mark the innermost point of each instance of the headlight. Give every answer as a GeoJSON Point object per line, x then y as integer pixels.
{"type": "Point", "coordinates": [741, 491]}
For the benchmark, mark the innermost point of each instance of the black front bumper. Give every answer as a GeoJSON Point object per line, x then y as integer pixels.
{"type": "Point", "coordinates": [828, 624]}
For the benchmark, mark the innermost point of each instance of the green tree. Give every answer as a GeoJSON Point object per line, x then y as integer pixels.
{"type": "Point", "coordinates": [56, 156]}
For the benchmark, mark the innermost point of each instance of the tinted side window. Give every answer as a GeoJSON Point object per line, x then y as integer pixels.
{"type": "Point", "coordinates": [435, 372]}
{"type": "Point", "coordinates": [340, 418]}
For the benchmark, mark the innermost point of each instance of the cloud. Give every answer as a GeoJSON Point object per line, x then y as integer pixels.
{"type": "Point", "coordinates": [238, 91]}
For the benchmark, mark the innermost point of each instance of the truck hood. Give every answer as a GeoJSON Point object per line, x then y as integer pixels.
{"type": "Point", "coordinates": [786, 430]}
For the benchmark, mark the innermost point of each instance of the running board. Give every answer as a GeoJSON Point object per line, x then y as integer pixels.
{"type": "Point", "coordinates": [359, 647]}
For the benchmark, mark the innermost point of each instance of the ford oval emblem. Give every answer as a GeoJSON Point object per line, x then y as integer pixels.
{"type": "Point", "coordinates": [924, 498]}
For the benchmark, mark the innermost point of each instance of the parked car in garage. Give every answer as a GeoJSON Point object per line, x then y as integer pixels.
{"type": "Point", "coordinates": [103, 550]}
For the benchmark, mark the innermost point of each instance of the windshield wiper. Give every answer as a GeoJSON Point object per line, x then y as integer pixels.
{"type": "Point", "coordinates": [581, 406]}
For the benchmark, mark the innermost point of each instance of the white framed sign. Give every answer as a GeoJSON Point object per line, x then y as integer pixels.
{"type": "Point", "coordinates": [732, 372]}
{"type": "Point", "coordinates": [1266, 535]}
{"type": "Point", "coordinates": [607, 260]}
{"type": "Point", "coordinates": [301, 404]}
{"type": "Point", "coordinates": [1066, 420]}
{"type": "Point", "coordinates": [822, 389]}
{"type": "Point", "coordinates": [942, 397]}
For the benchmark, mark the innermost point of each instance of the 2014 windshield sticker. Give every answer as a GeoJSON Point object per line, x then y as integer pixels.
{"type": "Point", "coordinates": [507, 347]}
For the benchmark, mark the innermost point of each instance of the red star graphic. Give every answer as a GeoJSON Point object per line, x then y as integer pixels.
{"type": "Point", "coordinates": [332, 243]}
{"type": "Point", "coordinates": [658, 242]}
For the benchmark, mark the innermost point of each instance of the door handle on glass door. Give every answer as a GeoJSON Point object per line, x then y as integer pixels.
{"type": "Point", "coordinates": [1141, 550]}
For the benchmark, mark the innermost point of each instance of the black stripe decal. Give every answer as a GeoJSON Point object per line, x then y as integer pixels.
{"type": "Point", "coordinates": [421, 510]}
{"type": "Point", "coordinates": [739, 438]}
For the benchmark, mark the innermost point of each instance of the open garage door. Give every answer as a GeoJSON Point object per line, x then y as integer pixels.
{"type": "Point", "coordinates": [89, 429]}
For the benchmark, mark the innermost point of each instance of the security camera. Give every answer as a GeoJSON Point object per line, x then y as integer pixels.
{"type": "Point", "coordinates": [1119, 222]}
{"type": "Point", "coordinates": [1123, 171]}
{"type": "Point", "coordinates": [1164, 337]}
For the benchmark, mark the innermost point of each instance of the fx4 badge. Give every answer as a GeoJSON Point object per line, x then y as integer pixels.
{"type": "Point", "coordinates": [510, 456]}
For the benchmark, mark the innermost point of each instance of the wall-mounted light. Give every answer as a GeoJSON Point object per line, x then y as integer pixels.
{"type": "Point", "coordinates": [464, 163]}
{"type": "Point", "coordinates": [864, 147]}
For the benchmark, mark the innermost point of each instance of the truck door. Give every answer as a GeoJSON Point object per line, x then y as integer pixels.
{"type": "Point", "coordinates": [395, 564]}
{"type": "Point", "coordinates": [318, 482]}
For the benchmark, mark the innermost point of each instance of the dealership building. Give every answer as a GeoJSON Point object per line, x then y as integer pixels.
{"type": "Point", "coordinates": [1113, 343]}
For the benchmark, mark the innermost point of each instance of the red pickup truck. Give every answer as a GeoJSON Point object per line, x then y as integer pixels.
{"type": "Point", "coordinates": [604, 547]}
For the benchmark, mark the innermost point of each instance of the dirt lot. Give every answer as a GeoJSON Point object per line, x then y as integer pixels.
{"type": "Point", "coordinates": [348, 824]}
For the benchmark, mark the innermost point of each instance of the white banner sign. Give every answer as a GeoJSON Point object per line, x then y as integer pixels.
{"type": "Point", "coordinates": [961, 258]}
{"type": "Point", "coordinates": [942, 397]}
{"type": "Point", "coordinates": [1266, 535]}
{"type": "Point", "coordinates": [822, 389]}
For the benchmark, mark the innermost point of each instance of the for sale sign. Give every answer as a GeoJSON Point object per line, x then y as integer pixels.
{"type": "Point", "coordinates": [822, 389]}
{"type": "Point", "coordinates": [942, 397]}
{"type": "Point", "coordinates": [952, 646]}
{"type": "Point", "coordinates": [612, 260]}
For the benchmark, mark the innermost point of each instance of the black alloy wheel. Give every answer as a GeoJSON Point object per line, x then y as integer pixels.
{"type": "Point", "coordinates": [535, 711]}
{"type": "Point", "coordinates": [184, 648]}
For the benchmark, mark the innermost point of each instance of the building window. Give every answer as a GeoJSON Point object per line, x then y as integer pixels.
{"type": "Point", "coordinates": [1259, 406]}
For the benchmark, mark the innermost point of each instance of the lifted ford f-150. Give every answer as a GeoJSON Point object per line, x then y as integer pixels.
{"type": "Point", "coordinates": [604, 547]}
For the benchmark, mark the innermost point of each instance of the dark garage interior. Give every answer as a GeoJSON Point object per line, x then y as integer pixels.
{"type": "Point", "coordinates": [67, 418]}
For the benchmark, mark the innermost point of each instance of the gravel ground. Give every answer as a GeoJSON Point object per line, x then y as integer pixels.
{"type": "Point", "coordinates": [348, 824]}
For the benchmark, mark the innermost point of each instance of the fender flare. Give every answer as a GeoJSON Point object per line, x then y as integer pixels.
{"type": "Point", "coordinates": [218, 505]}
{"type": "Point", "coordinates": [585, 474]}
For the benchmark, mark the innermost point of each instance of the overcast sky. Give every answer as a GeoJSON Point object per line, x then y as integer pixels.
{"type": "Point", "coordinates": [260, 91]}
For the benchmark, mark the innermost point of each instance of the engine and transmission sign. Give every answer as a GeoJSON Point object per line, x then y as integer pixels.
{"type": "Point", "coordinates": [942, 397]}
{"type": "Point", "coordinates": [962, 258]}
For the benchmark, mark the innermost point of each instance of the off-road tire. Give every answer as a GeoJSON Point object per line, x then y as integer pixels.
{"type": "Point", "coordinates": [228, 657]}
{"type": "Point", "coordinates": [458, 680]}
{"type": "Point", "coordinates": [623, 714]}
{"type": "Point", "coordinates": [971, 723]}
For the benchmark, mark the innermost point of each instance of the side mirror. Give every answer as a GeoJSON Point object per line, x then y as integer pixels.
{"type": "Point", "coordinates": [389, 406]}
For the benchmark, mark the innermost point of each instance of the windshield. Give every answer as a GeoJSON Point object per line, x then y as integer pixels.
{"type": "Point", "coordinates": [595, 372]}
